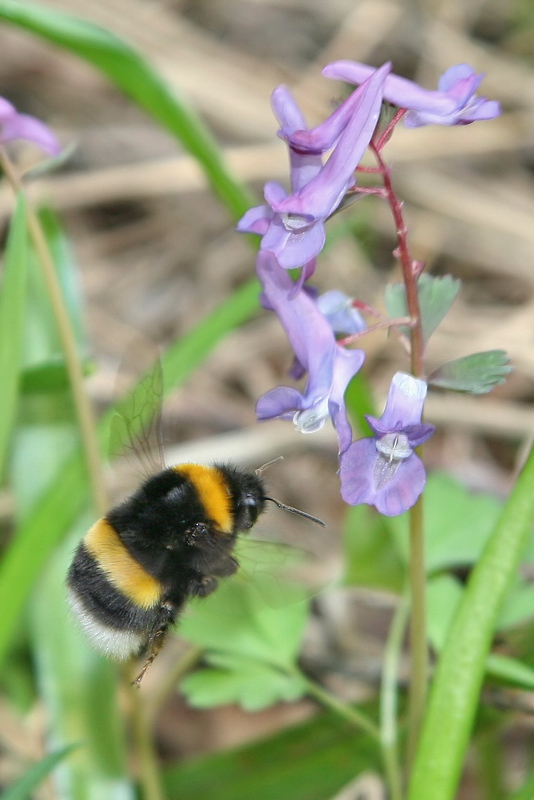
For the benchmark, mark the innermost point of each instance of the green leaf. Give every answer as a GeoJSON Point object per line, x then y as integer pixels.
{"type": "Point", "coordinates": [371, 553]}
{"type": "Point", "coordinates": [49, 376]}
{"type": "Point", "coordinates": [443, 598]}
{"type": "Point", "coordinates": [454, 696]}
{"type": "Point", "coordinates": [458, 523]}
{"type": "Point", "coordinates": [234, 679]}
{"type": "Point", "coordinates": [510, 671]}
{"type": "Point", "coordinates": [134, 76]}
{"type": "Point", "coordinates": [436, 296]}
{"type": "Point", "coordinates": [477, 373]}
{"type": "Point", "coordinates": [23, 788]}
{"type": "Point", "coordinates": [310, 761]}
{"type": "Point", "coordinates": [235, 620]}
{"type": "Point", "coordinates": [80, 689]}
{"type": "Point", "coordinates": [12, 319]}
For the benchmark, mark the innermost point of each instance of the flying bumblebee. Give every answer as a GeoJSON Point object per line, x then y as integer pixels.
{"type": "Point", "coordinates": [171, 540]}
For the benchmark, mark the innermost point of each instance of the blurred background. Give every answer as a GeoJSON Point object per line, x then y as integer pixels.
{"type": "Point", "coordinates": [156, 252]}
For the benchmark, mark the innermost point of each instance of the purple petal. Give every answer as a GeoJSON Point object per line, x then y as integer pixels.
{"type": "Point", "coordinates": [367, 477]}
{"type": "Point", "coordinates": [7, 110]}
{"type": "Point", "coordinates": [346, 364]}
{"type": "Point", "coordinates": [356, 472]}
{"type": "Point", "coordinates": [280, 402]}
{"type": "Point", "coordinates": [403, 489]}
{"type": "Point", "coordinates": [324, 136]}
{"type": "Point", "coordinates": [274, 193]}
{"type": "Point", "coordinates": [405, 402]}
{"type": "Point", "coordinates": [304, 166]}
{"type": "Point", "coordinates": [23, 126]}
{"type": "Point", "coordinates": [453, 104]}
{"type": "Point", "coordinates": [340, 313]}
{"type": "Point", "coordinates": [255, 220]}
{"type": "Point", "coordinates": [287, 111]}
{"type": "Point", "coordinates": [322, 195]}
{"type": "Point", "coordinates": [301, 248]}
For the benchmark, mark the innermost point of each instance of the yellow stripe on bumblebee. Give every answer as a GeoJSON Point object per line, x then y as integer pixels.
{"type": "Point", "coordinates": [122, 570]}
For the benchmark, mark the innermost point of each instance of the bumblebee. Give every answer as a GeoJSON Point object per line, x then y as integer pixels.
{"type": "Point", "coordinates": [171, 540]}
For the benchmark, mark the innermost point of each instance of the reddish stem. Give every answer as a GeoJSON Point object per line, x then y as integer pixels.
{"type": "Point", "coordinates": [403, 254]}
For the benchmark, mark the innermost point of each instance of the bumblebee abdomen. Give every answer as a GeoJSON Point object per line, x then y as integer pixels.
{"type": "Point", "coordinates": [121, 569]}
{"type": "Point", "coordinates": [115, 599]}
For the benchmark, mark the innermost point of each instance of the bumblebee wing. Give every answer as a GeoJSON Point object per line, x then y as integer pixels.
{"type": "Point", "coordinates": [135, 430]}
{"type": "Point", "coordinates": [281, 574]}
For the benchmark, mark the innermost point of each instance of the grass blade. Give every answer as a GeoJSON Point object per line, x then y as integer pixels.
{"type": "Point", "coordinates": [12, 319]}
{"type": "Point", "coordinates": [454, 696]}
{"type": "Point", "coordinates": [136, 78]}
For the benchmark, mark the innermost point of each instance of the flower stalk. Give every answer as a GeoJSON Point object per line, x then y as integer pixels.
{"type": "Point", "coordinates": [419, 666]}
{"type": "Point", "coordinates": [82, 405]}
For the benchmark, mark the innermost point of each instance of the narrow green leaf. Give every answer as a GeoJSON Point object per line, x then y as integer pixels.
{"type": "Point", "coordinates": [436, 296]}
{"type": "Point", "coordinates": [12, 317]}
{"type": "Point", "coordinates": [311, 761]}
{"type": "Point", "coordinates": [477, 373]}
{"type": "Point", "coordinates": [510, 671]}
{"type": "Point", "coordinates": [443, 598]}
{"type": "Point", "coordinates": [23, 788]}
{"type": "Point", "coordinates": [80, 691]}
{"type": "Point", "coordinates": [460, 671]}
{"type": "Point", "coordinates": [135, 77]}
{"type": "Point", "coordinates": [49, 376]}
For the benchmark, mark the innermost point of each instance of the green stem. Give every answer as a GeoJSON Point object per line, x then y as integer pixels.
{"type": "Point", "coordinates": [82, 405]}
{"type": "Point", "coordinates": [149, 773]}
{"type": "Point", "coordinates": [171, 679]}
{"type": "Point", "coordinates": [350, 713]}
{"type": "Point", "coordinates": [388, 699]}
{"type": "Point", "coordinates": [418, 634]}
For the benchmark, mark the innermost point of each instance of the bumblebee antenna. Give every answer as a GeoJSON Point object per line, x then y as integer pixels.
{"type": "Point", "coordinates": [283, 505]}
{"type": "Point", "coordinates": [295, 510]}
{"type": "Point", "coordinates": [268, 464]}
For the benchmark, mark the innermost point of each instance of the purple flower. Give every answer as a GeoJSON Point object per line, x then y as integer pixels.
{"type": "Point", "coordinates": [338, 309]}
{"type": "Point", "coordinates": [21, 126]}
{"type": "Point", "coordinates": [329, 367]}
{"type": "Point", "coordinates": [292, 225]}
{"type": "Point", "coordinates": [383, 470]}
{"type": "Point", "coordinates": [454, 103]}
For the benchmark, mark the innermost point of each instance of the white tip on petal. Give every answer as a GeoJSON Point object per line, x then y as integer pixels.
{"type": "Point", "coordinates": [410, 386]}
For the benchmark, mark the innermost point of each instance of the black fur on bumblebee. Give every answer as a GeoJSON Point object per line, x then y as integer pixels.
{"type": "Point", "coordinates": [169, 541]}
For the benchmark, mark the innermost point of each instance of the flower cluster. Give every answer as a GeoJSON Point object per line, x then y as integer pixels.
{"type": "Point", "coordinates": [382, 470]}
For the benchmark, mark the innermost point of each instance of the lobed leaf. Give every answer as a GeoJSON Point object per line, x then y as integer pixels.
{"type": "Point", "coordinates": [477, 373]}
{"type": "Point", "coordinates": [234, 679]}
{"type": "Point", "coordinates": [436, 296]}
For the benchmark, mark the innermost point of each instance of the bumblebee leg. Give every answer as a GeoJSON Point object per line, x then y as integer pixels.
{"type": "Point", "coordinates": [225, 567]}
{"type": "Point", "coordinates": [206, 586]}
{"type": "Point", "coordinates": [157, 638]}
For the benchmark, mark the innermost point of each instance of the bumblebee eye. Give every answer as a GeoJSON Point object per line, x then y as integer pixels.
{"type": "Point", "coordinates": [249, 511]}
